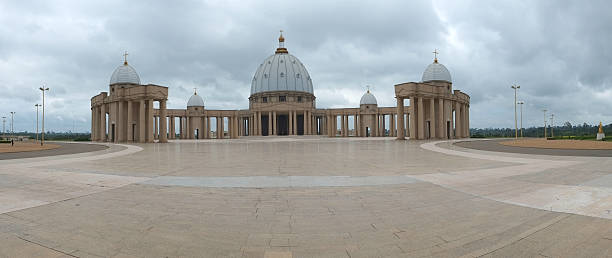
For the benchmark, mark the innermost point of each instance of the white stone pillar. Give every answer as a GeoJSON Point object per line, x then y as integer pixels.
{"type": "Point", "coordinates": [458, 120]}
{"type": "Point", "coordinates": [164, 122]}
{"type": "Point", "coordinates": [400, 118]}
{"type": "Point", "coordinates": [432, 118]}
{"type": "Point", "coordinates": [441, 123]}
{"type": "Point", "coordinates": [421, 119]}
{"type": "Point", "coordinates": [467, 119]}
{"type": "Point", "coordinates": [102, 136]}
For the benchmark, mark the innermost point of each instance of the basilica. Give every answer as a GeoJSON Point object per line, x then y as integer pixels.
{"type": "Point", "coordinates": [282, 102]}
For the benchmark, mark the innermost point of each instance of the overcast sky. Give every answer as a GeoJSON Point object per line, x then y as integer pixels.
{"type": "Point", "coordinates": [557, 51]}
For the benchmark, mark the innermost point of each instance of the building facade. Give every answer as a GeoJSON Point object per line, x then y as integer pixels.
{"type": "Point", "coordinates": [282, 102]}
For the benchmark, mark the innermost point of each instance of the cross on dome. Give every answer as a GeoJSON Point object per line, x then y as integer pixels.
{"type": "Point", "coordinates": [435, 52]}
{"type": "Point", "coordinates": [125, 58]}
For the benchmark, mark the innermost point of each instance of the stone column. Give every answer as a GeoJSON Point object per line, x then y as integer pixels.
{"type": "Point", "coordinates": [164, 122]}
{"type": "Point", "coordinates": [467, 120]}
{"type": "Point", "coordinates": [346, 126]}
{"type": "Point", "coordinates": [181, 128]}
{"type": "Point", "coordinates": [305, 123]}
{"type": "Point", "coordinates": [130, 121]}
{"type": "Point", "coordinates": [230, 127]}
{"type": "Point", "coordinates": [391, 125]}
{"type": "Point", "coordinates": [207, 127]}
{"type": "Point", "coordinates": [290, 120]}
{"type": "Point", "coordinates": [400, 118]}
{"type": "Point", "coordinates": [343, 126]}
{"type": "Point", "coordinates": [269, 123]}
{"type": "Point", "coordinates": [172, 128]}
{"type": "Point", "coordinates": [355, 130]}
{"type": "Point", "coordinates": [102, 128]}
{"type": "Point", "coordinates": [432, 118]}
{"type": "Point", "coordinates": [421, 118]}
{"type": "Point", "coordinates": [295, 127]}
{"type": "Point", "coordinates": [149, 117]}
{"type": "Point", "coordinates": [155, 131]}
{"type": "Point", "coordinates": [458, 120]}
{"type": "Point", "coordinates": [189, 128]}
{"type": "Point", "coordinates": [93, 134]}
{"type": "Point", "coordinates": [274, 126]}
{"type": "Point", "coordinates": [240, 127]}
{"type": "Point", "coordinates": [253, 123]}
{"type": "Point", "coordinates": [259, 123]}
{"type": "Point", "coordinates": [327, 124]}
{"type": "Point", "coordinates": [441, 123]}
{"type": "Point", "coordinates": [413, 118]}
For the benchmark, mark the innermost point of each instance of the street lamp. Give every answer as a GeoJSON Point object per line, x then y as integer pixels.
{"type": "Point", "coordinates": [3, 123]}
{"type": "Point", "coordinates": [37, 105]}
{"type": "Point", "coordinates": [515, 87]}
{"type": "Point", "coordinates": [521, 103]}
{"type": "Point", "coordinates": [43, 89]}
{"type": "Point", "coordinates": [12, 131]}
{"type": "Point", "coordinates": [544, 110]}
{"type": "Point", "coordinates": [552, 125]}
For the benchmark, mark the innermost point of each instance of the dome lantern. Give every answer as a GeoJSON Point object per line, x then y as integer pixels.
{"type": "Point", "coordinates": [281, 45]}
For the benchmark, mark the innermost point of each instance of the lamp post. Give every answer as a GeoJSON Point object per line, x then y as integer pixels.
{"type": "Point", "coordinates": [3, 123]}
{"type": "Point", "coordinates": [544, 110]}
{"type": "Point", "coordinates": [37, 105]}
{"type": "Point", "coordinates": [515, 87]}
{"type": "Point", "coordinates": [552, 125]}
{"type": "Point", "coordinates": [12, 131]}
{"type": "Point", "coordinates": [521, 103]}
{"type": "Point", "coordinates": [42, 138]}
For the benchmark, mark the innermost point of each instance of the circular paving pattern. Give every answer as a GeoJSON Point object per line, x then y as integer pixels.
{"type": "Point", "coordinates": [304, 197]}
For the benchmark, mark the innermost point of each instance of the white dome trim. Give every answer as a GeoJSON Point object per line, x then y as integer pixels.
{"type": "Point", "coordinates": [368, 99]}
{"type": "Point", "coordinates": [125, 74]}
{"type": "Point", "coordinates": [436, 72]}
{"type": "Point", "coordinates": [195, 101]}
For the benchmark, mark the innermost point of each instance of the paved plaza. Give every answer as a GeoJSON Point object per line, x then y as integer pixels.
{"type": "Point", "coordinates": [305, 196]}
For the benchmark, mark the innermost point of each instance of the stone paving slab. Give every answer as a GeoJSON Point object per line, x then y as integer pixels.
{"type": "Point", "coordinates": [371, 198]}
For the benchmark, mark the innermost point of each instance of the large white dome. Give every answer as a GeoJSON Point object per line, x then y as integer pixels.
{"type": "Point", "coordinates": [125, 74]}
{"type": "Point", "coordinates": [281, 72]}
{"type": "Point", "coordinates": [368, 99]}
{"type": "Point", "coordinates": [436, 72]}
{"type": "Point", "coordinates": [195, 101]}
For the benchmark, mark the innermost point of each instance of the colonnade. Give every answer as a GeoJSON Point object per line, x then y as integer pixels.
{"type": "Point", "coordinates": [199, 127]}
{"type": "Point", "coordinates": [127, 121]}
{"type": "Point", "coordinates": [298, 122]}
{"type": "Point", "coordinates": [434, 118]}
{"type": "Point", "coordinates": [364, 125]}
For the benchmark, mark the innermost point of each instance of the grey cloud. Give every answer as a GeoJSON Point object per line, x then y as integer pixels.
{"type": "Point", "coordinates": [556, 50]}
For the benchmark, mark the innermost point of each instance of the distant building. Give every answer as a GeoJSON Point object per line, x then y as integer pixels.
{"type": "Point", "coordinates": [282, 102]}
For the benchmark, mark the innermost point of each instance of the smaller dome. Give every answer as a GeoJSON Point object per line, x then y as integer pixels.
{"type": "Point", "coordinates": [195, 101]}
{"type": "Point", "coordinates": [125, 74]}
{"type": "Point", "coordinates": [368, 99]}
{"type": "Point", "coordinates": [436, 72]}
